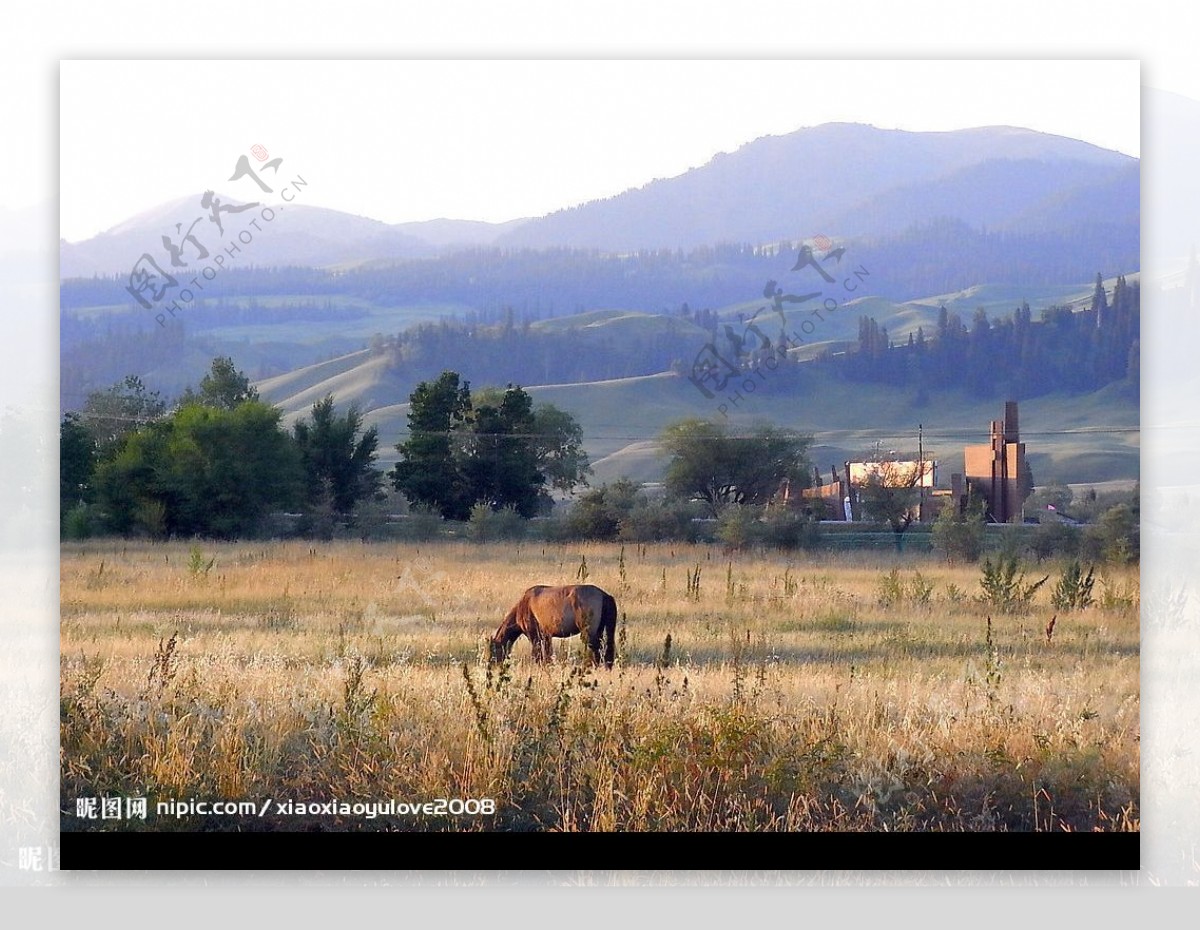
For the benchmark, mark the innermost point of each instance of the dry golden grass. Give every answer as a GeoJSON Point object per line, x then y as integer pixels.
{"type": "Point", "coordinates": [789, 695]}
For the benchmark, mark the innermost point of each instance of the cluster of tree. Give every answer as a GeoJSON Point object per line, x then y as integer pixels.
{"type": "Point", "coordinates": [1111, 532]}
{"type": "Point", "coordinates": [510, 353]}
{"type": "Point", "coordinates": [501, 291]}
{"type": "Point", "coordinates": [623, 511]}
{"type": "Point", "coordinates": [713, 473]}
{"type": "Point", "coordinates": [933, 257]}
{"type": "Point", "coordinates": [216, 464]}
{"type": "Point", "coordinates": [712, 463]}
{"type": "Point", "coordinates": [1014, 357]}
{"type": "Point", "coordinates": [1111, 529]}
{"type": "Point", "coordinates": [496, 452]}
{"type": "Point", "coordinates": [494, 449]}
{"type": "Point", "coordinates": [98, 351]}
{"type": "Point", "coordinates": [254, 281]}
{"type": "Point", "coordinates": [941, 256]}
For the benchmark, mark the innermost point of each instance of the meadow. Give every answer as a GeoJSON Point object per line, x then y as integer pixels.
{"type": "Point", "coordinates": [752, 691]}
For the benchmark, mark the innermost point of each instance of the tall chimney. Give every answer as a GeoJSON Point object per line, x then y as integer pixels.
{"type": "Point", "coordinates": [1010, 422]}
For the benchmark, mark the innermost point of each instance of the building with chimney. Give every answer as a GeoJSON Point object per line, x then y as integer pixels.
{"type": "Point", "coordinates": [998, 470]}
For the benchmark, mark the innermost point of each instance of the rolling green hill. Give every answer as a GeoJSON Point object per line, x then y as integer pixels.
{"type": "Point", "coordinates": [1082, 437]}
{"type": "Point", "coordinates": [621, 418]}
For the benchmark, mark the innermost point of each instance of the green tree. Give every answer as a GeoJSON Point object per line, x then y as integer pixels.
{"type": "Point", "coordinates": [958, 536]}
{"type": "Point", "coordinates": [1053, 539]}
{"type": "Point", "coordinates": [1099, 297]}
{"type": "Point", "coordinates": [501, 465]}
{"type": "Point", "coordinates": [1055, 497]}
{"type": "Point", "coordinates": [338, 457]}
{"type": "Point", "coordinates": [223, 387]}
{"type": "Point", "coordinates": [77, 463]}
{"type": "Point", "coordinates": [710, 463]}
{"type": "Point", "coordinates": [600, 513]}
{"type": "Point", "coordinates": [201, 471]}
{"type": "Point", "coordinates": [559, 448]}
{"type": "Point", "coordinates": [429, 473]}
{"type": "Point", "coordinates": [114, 413]}
{"type": "Point", "coordinates": [497, 449]}
{"type": "Point", "coordinates": [131, 483]}
{"type": "Point", "coordinates": [890, 496]}
{"type": "Point", "coordinates": [1118, 534]}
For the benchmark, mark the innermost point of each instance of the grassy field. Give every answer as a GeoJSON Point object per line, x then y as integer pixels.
{"type": "Point", "coordinates": [753, 691]}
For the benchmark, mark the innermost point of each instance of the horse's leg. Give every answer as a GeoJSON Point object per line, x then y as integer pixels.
{"type": "Point", "coordinates": [542, 648]}
{"type": "Point", "coordinates": [608, 623]}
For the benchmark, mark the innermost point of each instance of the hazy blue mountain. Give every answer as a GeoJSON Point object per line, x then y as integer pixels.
{"type": "Point", "coordinates": [445, 233]}
{"type": "Point", "coordinates": [839, 179]}
{"type": "Point", "coordinates": [298, 235]}
{"type": "Point", "coordinates": [1022, 195]}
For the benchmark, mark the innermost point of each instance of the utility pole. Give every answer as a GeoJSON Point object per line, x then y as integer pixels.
{"type": "Point", "coordinates": [921, 472]}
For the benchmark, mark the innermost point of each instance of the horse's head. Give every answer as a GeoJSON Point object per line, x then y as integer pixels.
{"type": "Point", "coordinates": [499, 649]}
{"type": "Point", "coordinates": [502, 640]}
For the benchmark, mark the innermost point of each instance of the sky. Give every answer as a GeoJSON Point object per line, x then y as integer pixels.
{"type": "Point", "coordinates": [496, 140]}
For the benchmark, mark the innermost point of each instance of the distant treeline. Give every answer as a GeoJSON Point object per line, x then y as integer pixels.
{"type": "Point", "coordinates": [508, 352]}
{"type": "Point", "coordinates": [1011, 357]}
{"type": "Point", "coordinates": [110, 290]}
{"type": "Point", "coordinates": [98, 349]}
{"type": "Point", "coordinates": [936, 257]}
{"type": "Point", "coordinates": [96, 352]}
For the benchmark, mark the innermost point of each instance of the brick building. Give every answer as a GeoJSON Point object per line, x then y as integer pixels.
{"type": "Point", "coordinates": [998, 469]}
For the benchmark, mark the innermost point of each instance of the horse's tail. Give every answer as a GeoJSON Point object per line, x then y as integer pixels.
{"type": "Point", "coordinates": [608, 627]}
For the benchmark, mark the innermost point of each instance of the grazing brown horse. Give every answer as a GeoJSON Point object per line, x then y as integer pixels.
{"type": "Point", "coordinates": [544, 612]}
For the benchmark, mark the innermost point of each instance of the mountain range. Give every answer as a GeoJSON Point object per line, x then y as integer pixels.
{"type": "Point", "coordinates": [850, 180]}
{"type": "Point", "coordinates": [842, 180]}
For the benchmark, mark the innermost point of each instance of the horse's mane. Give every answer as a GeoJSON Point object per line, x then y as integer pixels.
{"type": "Point", "coordinates": [515, 622]}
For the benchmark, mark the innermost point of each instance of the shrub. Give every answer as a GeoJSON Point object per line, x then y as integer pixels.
{"type": "Point", "coordinates": [735, 527]}
{"type": "Point", "coordinates": [895, 589]}
{"type": "Point", "coordinates": [1113, 538]}
{"type": "Point", "coordinates": [1054, 539]}
{"type": "Point", "coordinates": [1074, 589]}
{"type": "Point", "coordinates": [422, 523]}
{"type": "Point", "coordinates": [589, 518]}
{"type": "Point", "coordinates": [598, 513]}
{"type": "Point", "coordinates": [659, 522]}
{"type": "Point", "coordinates": [151, 516]}
{"type": "Point", "coordinates": [1117, 596]}
{"type": "Point", "coordinates": [1119, 534]}
{"type": "Point", "coordinates": [80, 522]}
{"type": "Point", "coordinates": [789, 530]}
{"type": "Point", "coordinates": [741, 526]}
{"type": "Point", "coordinates": [488, 525]}
{"type": "Point", "coordinates": [891, 589]}
{"type": "Point", "coordinates": [372, 516]}
{"type": "Point", "coordinates": [959, 537]}
{"type": "Point", "coordinates": [1003, 588]}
